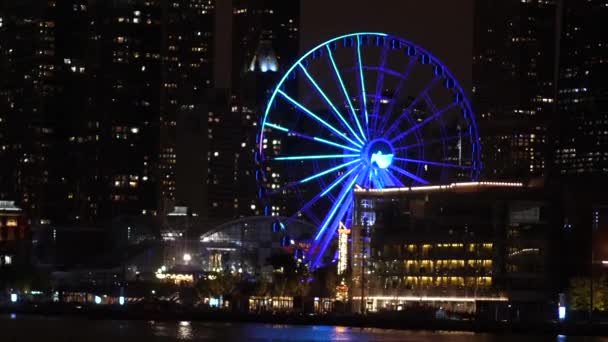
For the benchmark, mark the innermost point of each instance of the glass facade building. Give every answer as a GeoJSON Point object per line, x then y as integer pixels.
{"type": "Point", "coordinates": [458, 246]}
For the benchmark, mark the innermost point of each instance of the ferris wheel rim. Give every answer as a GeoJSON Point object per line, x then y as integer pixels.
{"type": "Point", "coordinates": [358, 144]}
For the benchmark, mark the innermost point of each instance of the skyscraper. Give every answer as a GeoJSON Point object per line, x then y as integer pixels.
{"type": "Point", "coordinates": [581, 136]}
{"type": "Point", "coordinates": [187, 45]}
{"type": "Point", "coordinates": [513, 84]}
{"type": "Point", "coordinates": [27, 87]}
{"type": "Point", "coordinates": [90, 103]}
{"type": "Point", "coordinates": [265, 39]}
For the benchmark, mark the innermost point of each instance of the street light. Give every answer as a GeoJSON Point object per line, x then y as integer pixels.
{"type": "Point", "coordinates": [187, 257]}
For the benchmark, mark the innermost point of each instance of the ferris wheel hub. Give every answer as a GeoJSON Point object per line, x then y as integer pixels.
{"type": "Point", "coordinates": [379, 153]}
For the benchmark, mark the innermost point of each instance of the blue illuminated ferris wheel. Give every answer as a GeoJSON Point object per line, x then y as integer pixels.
{"type": "Point", "coordinates": [364, 109]}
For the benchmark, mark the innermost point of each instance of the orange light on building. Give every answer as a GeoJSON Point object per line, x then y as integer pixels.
{"type": "Point", "coordinates": [343, 233]}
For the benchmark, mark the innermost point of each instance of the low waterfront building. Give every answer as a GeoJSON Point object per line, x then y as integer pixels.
{"type": "Point", "coordinates": [15, 238]}
{"type": "Point", "coordinates": [245, 245]}
{"type": "Point", "coordinates": [462, 247]}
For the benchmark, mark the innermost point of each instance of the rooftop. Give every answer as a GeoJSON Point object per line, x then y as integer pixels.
{"type": "Point", "coordinates": [439, 188]}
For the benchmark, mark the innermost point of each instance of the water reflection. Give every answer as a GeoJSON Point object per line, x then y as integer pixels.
{"type": "Point", "coordinates": [19, 328]}
{"type": "Point", "coordinates": [184, 331]}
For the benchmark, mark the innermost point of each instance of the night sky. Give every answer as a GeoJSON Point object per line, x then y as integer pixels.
{"type": "Point", "coordinates": [445, 28]}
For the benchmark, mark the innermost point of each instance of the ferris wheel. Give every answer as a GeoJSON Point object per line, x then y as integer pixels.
{"type": "Point", "coordinates": [364, 109]}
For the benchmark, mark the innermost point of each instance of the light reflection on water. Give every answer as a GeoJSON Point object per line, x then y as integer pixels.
{"type": "Point", "coordinates": [36, 328]}
{"type": "Point", "coordinates": [184, 331]}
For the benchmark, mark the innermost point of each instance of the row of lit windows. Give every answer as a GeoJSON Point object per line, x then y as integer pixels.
{"type": "Point", "coordinates": [446, 281]}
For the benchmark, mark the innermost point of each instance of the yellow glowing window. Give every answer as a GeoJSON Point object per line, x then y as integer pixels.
{"type": "Point", "coordinates": [11, 223]}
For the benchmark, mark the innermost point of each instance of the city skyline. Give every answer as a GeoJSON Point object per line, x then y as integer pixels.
{"type": "Point", "coordinates": [430, 162]}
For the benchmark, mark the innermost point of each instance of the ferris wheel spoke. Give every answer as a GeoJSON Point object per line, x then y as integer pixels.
{"type": "Point", "coordinates": [409, 174]}
{"type": "Point", "coordinates": [330, 103]}
{"type": "Point", "coordinates": [329, 171]}
{"type": "Point", "coordinates": [315, 176]}
{"type": "Point", "coordinates": [319, 156]}
{"type": "Point", "coordinates": [345, 209]}
{"type": "Point", "coordinates": [411, 107]}
{"type": "Point", "coordinates": [317, 118]}
{"type": "Point", "coordinates": [339, 180]}
{"type": "Point", "coordinates": [336, 205]}
{"type": "Point", "coordinates": [317, 197]}
{"type": "Point", "coordinates": [379, 86]}
{"type": "Point", "coordinates": [421, 124]}
{"type": "Point", "coordinates": [416, 161]}
{"type": "Point", "coordinates": [308, 137]}
{"type": "Point", "coordinates": [431, 142]}
{"type": "Point", "coordinates": [362, 85]}
{"type": "Point", "coordinates": [397, 94]}
{"type": "Point", "coordinates": [394, 179]}
{"type": "Point", "coordinates": [344, 91]}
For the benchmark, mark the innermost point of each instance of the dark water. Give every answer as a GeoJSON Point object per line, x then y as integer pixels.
{"type": "Point", "coordinates": [37, 328]}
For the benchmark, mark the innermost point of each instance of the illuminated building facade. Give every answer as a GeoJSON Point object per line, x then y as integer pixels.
{"type": "Point", "coordinates": [187, 45]}
{"type": "Point", "coordinates": [457, 246]}
{"type": "Point", "coordinates": [581, 146]}
{"type": "Point", "coordinates": [265, 40]}
{"type": "Point", "coordinates": [513, 85]}
{"type": "Point", "coordinates": [14, 236]}
{"type": "Point", "coordinates": [245, 245]}
{"type": "Point", "coordinates": [343, 237]}
{"type": "Point", "coordinates": [90, 135]}
{"type": "Point", "coordinates": [27, 85]}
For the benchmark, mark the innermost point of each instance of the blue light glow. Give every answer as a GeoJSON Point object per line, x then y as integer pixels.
{"type": "Point", "coordinates": [339, 180]}
{"type": "Point", "coordinates": [362, 80]}
{"type": "Point", "coordinates": [380, 157]}
{"type": "Point", "coordinates": [337, 145]}
{"type": "Point", "coordinates": [337, 204]}
{"type": "Point", "coordinates": [424, 122]}
{"type": "Point", "coordinates": [345, 92]}
{"type": "Point", "coordinates": [271, 125]}
{"type": "Point", "coordinates": [316, 117]}
{"type": "Point", "coordinates": [328, 101]}
{"type": "Point", "coordinates": [14, 298]}
{"type": "Point", "coordinates": [426, 162]}
{"type": "Point", "coordinates": [300, 135]}
{"type": "Point", "coordinates": [323, 156]}
{"type": "Point", "coordinates": [409, 175]}
{"type": "Point", "coordinates": [382, 160]}
{"type": "Point", "coordinates": [329, 171]}
{"type": "Point", "coordinates": [561, 313]}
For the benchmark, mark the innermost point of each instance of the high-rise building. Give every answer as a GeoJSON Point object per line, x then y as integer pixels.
{"type": "Point", "coordinates": [27, 87]}
{"type": "Point", "coordinates": [513, 84]}
{"type": "Point", "coordinates": [187, 45]}
{"type": "Point", "coordinates": [265, 39]}
{"type": "Point", "coordinates": [89, 103]}
{"type": "Point", "coordinates": [581, 136]}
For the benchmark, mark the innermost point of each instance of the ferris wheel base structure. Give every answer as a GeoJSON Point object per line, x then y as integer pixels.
{"type": "Point", "coordinates": [365, 109]}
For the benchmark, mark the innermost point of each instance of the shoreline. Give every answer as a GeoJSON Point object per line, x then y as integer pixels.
{"type": "Point", "coordinates": [374, 320]}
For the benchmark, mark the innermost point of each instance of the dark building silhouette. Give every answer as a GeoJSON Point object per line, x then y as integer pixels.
{"type": "Point", "coordinates": [513, 84]}
{"type": "Point", "coordinates": [187, 49]}
{"type": "Point", "coordinates": [265, 39]}
{"type": "Point", "coordinates": [90, 103]}
{"type": "Point", "coordinates": [581, 137]}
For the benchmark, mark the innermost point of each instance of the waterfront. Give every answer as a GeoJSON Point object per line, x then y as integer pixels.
{"type": "Point", "coordinates": [17, 328]}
